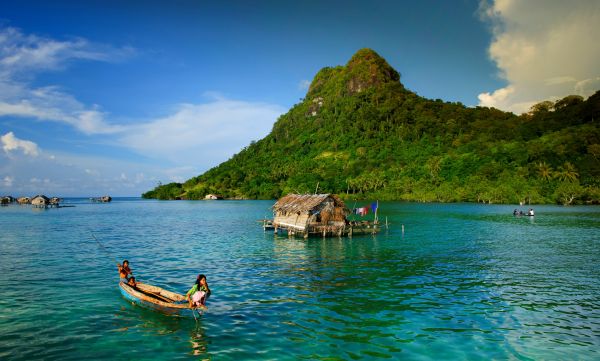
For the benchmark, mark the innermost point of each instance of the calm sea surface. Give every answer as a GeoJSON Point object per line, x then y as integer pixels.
{"type": "Point", "coordinates": [464, 281]}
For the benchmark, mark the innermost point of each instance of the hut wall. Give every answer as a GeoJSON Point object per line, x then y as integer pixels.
{"type": "Point", "coordinates": [293, 220]}
{"type": "Point", "coordinates": [38, 202]}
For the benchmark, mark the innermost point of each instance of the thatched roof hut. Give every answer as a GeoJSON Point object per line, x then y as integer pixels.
{"type": "Point", "coordinates": [310, 213]}
{"type": "Point", "coordinates": [23, 200]}
{"type": "Point", "coordinates": [9, 199]}
{"type": "Point", "coordinates": [40, 201]}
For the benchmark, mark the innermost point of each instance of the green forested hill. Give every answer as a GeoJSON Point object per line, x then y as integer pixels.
{"type": "Point", "coordinates": [359, 133]}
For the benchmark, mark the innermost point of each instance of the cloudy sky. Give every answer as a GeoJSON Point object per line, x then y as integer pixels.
{"type": "Point", "coordinates": [111, 97]}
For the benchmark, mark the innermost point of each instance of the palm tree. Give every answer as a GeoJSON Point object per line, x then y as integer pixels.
{"type": "Point", "coordinates": [567, 172]}
{"type": "Point", "coordinates": [544, 171]}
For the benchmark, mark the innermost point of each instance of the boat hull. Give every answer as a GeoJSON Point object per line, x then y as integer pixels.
{"type": "Point", "coordinates": [173, 305]}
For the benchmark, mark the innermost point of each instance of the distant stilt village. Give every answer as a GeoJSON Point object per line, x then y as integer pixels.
{"type": "Point", "coordinates": [41, 201]}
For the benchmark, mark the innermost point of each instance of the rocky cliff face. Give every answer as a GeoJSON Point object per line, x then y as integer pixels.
{"type": "Point", "coordinates": [365, 70]}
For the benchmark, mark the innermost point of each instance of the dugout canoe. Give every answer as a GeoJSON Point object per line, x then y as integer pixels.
{"type": "Point", "coordinates": [158, 299]}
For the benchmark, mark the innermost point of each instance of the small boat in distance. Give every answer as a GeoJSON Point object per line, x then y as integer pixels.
{"type": "Point", "coordinates": [157, 298]}
{"type": "Point", "coordinates": [103, 199]}
{"type": "Point", "coordinates": [520, 213]}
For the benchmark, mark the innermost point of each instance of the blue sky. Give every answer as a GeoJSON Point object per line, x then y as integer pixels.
{"type": "Point", "coordinates": [112, 97]}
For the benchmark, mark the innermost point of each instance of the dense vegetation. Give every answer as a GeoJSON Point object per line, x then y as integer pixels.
{"type": "Point", "coordinates": [359, 133]}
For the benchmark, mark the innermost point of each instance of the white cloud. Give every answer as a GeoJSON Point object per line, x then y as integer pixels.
{"type": "Point", "coordinates": [26, 53]}
{"type": "Point", "coordinates": [51, 104]}
{"type": "Point", "coordinates": [203, 134]}
{"type": "Point", "coordinates": [91, 172]}
{"type": "Point", "coordinates": [11, 143]}
{"type": "Point", "coordinates": [8, 181]}
{"type": "Point", "coordinates": [545, 50]}
{"type": "Point", "coordinates": [66, 176]}
{"type": "Point", "coordinates": [193, 138]}
{"type": "Point", "coordinates": [560, 80]}
{"type": "Point", "coordinates": [22, 56]}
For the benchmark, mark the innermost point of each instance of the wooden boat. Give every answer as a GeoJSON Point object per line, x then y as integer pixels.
{"type": "Point", "coordinates": [157, 298]}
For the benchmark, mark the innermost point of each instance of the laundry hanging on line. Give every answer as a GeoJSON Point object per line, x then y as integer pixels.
{"type": "Point", "coordinates": [362, 211]}
{"type": "Point", "coordinates": [374, 206]}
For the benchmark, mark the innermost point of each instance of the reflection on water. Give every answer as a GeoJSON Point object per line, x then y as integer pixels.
{"type": "Point", "coordinates": [199, 342]}
{"type": "Point", "coordinates": [135, 319]}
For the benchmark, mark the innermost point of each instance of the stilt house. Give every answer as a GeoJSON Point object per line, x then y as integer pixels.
{"type": "Point", "coordinates": [8, 199]}
{"type": "Point", "coordinates": [310, 214]}
{"type": "Point", "coordinates": [23, 200]}
{"type": "Point", "coordinates": [40, 201]}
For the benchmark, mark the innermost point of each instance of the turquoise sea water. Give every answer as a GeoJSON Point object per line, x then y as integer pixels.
{"type": "Point", "coordinates": [464, 281]}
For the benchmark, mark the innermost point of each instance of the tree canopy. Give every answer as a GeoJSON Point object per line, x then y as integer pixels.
{"type": "Point", "coordinates": [361, 134]}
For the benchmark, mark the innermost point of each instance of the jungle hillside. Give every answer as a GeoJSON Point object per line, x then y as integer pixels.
{"type": "Point", "coordinates": [361, 134]}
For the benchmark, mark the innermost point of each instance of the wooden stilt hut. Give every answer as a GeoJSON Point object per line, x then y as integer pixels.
{"type": "Point", "coordinates": [316, 214]}
{"type": "Point", "coordinates": [40, 201]}
{"type": "Point", "coordinates": [54, 202]}
{"type": "Point", "coordinates": [307, 214]}
{"type": "Point", "coordinates": [8, 199]}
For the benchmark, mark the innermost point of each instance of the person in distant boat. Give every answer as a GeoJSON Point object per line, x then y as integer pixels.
{"type": "Point", "coordinates": [132, 282]}
{"type": "Point", "coordinates": [124, 271]}
{"type": "Point", "coordinates": [516, 212]}
{"type": "Point", "coordinates": [199, 293]}
{"type": "Point", "coordinates": [530, 212]}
